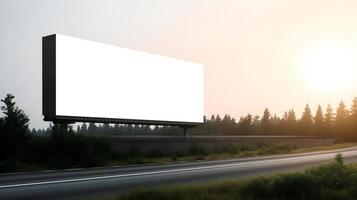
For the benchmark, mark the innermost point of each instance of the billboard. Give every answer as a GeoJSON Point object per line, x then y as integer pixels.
{"type": "Point", "coordinates": [87, 81]}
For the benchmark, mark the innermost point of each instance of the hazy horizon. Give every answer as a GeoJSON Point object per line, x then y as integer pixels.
{"type": "Point", "coordinates": [256, 54]}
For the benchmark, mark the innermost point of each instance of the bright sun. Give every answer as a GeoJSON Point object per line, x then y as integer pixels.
{"type": "Point", "coordinates": [328, 68]}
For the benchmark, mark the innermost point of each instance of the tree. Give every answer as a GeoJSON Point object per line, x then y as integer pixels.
{"type": "Point", "coordinates": [329, 119]}
{"type": "Point", "coordinates": [228, 124]}
{"type": "Point", "coordinates": [353, 121]}
{"type": "Point", "coordinates": [306, 120]}
{"type": "Point", "coordinates": [84, 128]}
{"type": "Point", "coordinates": [245, 124]}
{"type": "Point", "coordinates": [291, 123]}
{"type": "Point", "coordinates": [78, 129]}
{"type": "Point", "coordinates": [92, 128]}
{"type": "Point", "coordinates": [319, 121]}
{"type": "Point", "coordinates": [266, 122]}
{"type": "Point", "coordinates": [256, 123]}
{"type": "Point", "coordinates": [14, 129]}
{"type": "Point", "coordinates": [354, 108]}
{"type": "Point", "coordinates": [329, 115]}
{"type": "Point", "coordinates": [342, 115]}
{"type": "Point", "coordinates": [218, 119]}
{"type": "Point", "coordinates": [15, 118]}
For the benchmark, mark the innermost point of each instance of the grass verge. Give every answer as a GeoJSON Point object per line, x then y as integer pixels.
{"type": "Point", "coordinates": [229, 152]}
{"type": "Point", "coordinates": [330, 181]}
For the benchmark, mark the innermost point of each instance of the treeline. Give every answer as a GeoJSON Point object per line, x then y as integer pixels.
{"type": "Point", "coordinates": [22, 151]}
{"type": "Point", "coordinates": [340, 122]}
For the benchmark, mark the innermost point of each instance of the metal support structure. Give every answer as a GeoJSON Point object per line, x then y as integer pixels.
{"type": "Point", "coordinates": [63, 126]}
{"type": "Point", "coordinates": [185, 131]}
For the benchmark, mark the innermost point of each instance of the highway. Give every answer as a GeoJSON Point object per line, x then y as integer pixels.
{"type": "Point", "coordinates": [98, 182]}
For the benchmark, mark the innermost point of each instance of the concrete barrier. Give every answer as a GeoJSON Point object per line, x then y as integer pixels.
{"type": "Point", "coordinates": [183, 145]}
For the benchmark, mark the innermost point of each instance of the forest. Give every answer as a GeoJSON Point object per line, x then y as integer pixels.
{"type": "Point", "coordinates": [340, 123]}
{"type": "Point", "coordinates": [22, 149]}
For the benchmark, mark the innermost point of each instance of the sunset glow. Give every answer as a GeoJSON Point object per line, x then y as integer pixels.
{"type": "Point", "coordinates": [328, 68]}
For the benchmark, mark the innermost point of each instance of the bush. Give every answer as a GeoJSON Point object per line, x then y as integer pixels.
{"type": "Point", "coordinates": [196, 150]}
{"type": "Point", "coordinates": [259, 187]}
{"type": "Point", "coordinates": [333, 181]}
{"type": "Point", "coordinates": [59, 151]}
{"type": "Point", "coordinates": [295, 186]}
{"type": "Point", "coordinates": [332, 176]}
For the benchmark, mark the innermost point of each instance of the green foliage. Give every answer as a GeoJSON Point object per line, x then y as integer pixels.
{"type": "Point", "coordinates": [20, 151]}
{"type": "Point", "coordinates": [196, 150]}
{"type": "Point", "coordinates": [15, 118]}
{"type": "Point", "coordinates": [306, 122]}
{"type": "Point", "coordinates": [343, 125]}
{"type": "Point", "coordinates": [13, 129]}
{"type": "Point", "coordinates": [332, 181]}
{"type": "Point", "coordinates": [266, 122]}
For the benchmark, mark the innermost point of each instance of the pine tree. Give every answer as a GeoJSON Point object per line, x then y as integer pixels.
{"type": "Point", "coordinates": [291, 123]}
{"type": "Point", "coordinates": [266, 122]}
{"type": "Point", "coordinates": [319, 121]}
{"type": "Point", "coordinates": [92, 128]}
{"type": "Point", "coordinates": [353, 120]}
{"type": "Point", "coordinates": [329, 115]}
{"type": "Point", "coordinates": [354, 110]}
{"type": "Point", "coordinates": [84, 128]}
{"type": "Point", "coordinates": [245, 124]}
{"type": "Point", "coordinates": [306, 120]}
{"type": "Point", "coordinates": [329, 120]}
{"type": "Point", "coordinates": [218, 119]}
{"type": "Point", "coordinates": [342, 115]}
{"type": "Point", "coordinates": [291, 116]}
{"type": "Point", "coordinates": [256, 123]}
{"type": "Point", "coordinates": [14, 118]}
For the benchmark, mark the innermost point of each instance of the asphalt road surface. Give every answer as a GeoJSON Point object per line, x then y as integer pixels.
{"type": "Point", "coordinates": [102, 182]}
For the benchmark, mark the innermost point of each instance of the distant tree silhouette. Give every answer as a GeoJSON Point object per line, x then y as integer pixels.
{"type": "Point", "coordinates": [342, 124]}
{"type": "Point", "coordinates": [354, 114]}
{"type": "Point", "coordinates": [266, 125]}
{"type": "Point", "coordinates": [228, 124]}
{"type": "Point", "coordinates": [92, 128]}
{"type": "Point", "coordinates": [342, 115]}
{"type": "Point", "coordinates": [245, 124]}
{"type": "Point", "coordinates": [319, 121]}
{"type": "Point", "coordinates": [288, 124]}
{"type": "Point", "coordinates": [84, 128]}
{"type": "Point", "coordinates": [329, 121]}
{"type": "Point", "coordinates": [354, 108]}
{"type": "Point", "coordinates": [353, 120]}
{"type": "Point", "coordinates": [306, 122]}
{"type": "Point", "coordinates": [341, 112]}
{"type": "Point", "coordinates": [329, 116]}
{"type": "Point", "coordinates": [256, 124]}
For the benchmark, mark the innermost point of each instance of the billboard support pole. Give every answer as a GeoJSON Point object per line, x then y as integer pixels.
{"type": "Point", "coordinates": [185, 131]}
{"type": "Point", "coordinates": [63, 126]}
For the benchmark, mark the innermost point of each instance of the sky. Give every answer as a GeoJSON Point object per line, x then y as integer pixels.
{"type": "Point", "coordinates": [279, 54]}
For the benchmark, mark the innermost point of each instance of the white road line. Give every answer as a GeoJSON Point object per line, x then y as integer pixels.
{"type": "Point", "coordinates": [323, 156]}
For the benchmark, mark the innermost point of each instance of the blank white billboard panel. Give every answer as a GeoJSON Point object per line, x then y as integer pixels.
{"type": "Point", "coordinates": [98, 80]}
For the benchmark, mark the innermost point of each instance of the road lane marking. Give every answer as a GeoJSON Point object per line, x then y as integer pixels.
{"type": "Point", "coordinates": [252, 163]}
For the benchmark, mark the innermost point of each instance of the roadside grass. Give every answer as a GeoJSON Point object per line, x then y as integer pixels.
{"type": "Point", "coordinates": [76, 151]}
{"type": "Point", "coordinates": [228, 152]}
{"type": "Point", "coordinates": [324, 148]}
{"type": "Point", "coordinates": [330, 181]}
